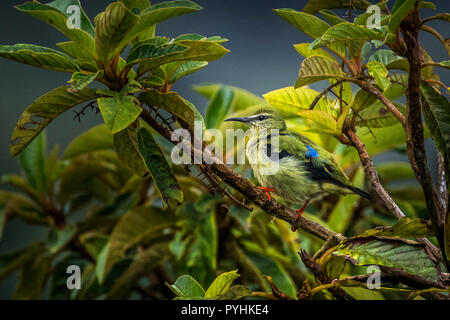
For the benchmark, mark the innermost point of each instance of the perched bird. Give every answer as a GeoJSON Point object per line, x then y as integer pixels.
{"type": "Point", "coordinates": [305, 170]}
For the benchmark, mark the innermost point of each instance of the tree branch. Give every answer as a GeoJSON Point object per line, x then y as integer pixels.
{"type": "Point", "coordinates": [370, 88]}
{"type": "Point", "coordinates": [247, 188]}
{"type": "Point", "coordinates": [372, 175]}
{"type": "Point", "coordinates": [375, 182]}
{"type": "Point", "coordinates": [415, 141]}
{"type": "Point", "coordinates": [322, 277]}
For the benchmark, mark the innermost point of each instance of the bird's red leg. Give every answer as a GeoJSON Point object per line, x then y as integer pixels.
{"type": "Point", "coordinates": [299, 214]}
{"type": "Point", "coordinates": [267, 190]}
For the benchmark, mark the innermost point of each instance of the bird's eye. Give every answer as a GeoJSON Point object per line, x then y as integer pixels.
{"type": "Point", "coordinates": [261, 117]}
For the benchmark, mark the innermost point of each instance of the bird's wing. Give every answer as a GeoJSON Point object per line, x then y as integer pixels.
{"type": "Point", "coordinates": [320, 163]}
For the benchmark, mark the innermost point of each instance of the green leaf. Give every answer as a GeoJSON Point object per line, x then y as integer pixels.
{"type": "Point", "coordinates": [38, 56]}
{"type": "Point", "coordinates": [331, 17]}
{"type": "Point", "coordinates": [32, 278]}
{"type": "Point", "coordinates": [427, 5]}
{"type": "Point", "coordinates": [390, 60]}
{"type": "Point", "coordinates": [95, 139]}
{"type": "Point", "coordinates": [187, 287]}
{"type": "Point", "coordinates": [322, 118]}
{"type": "Point", "coordinates": [81, 80]}
{"type": "Point", "coordinates": [236, 293]}
{"type": "Point", "coordinates": [196, 36]}
{"type": "Point", "coordinates": [32, 161]}
{"type": "Point", "coordinates": [174, 104]}
{"type": "Point", "coordinates": [83, 176]}
{"type": "Point", "coordinates": [379, 72]}
{"type": "Point", "coordinates": [12, 262]}
{"type": "Point", "coordinates": [384, 56]}
{"type": "Point", "coordinates": [152, 50]}
{"type": "Point", "coordinates": [404, 228]}
{"type": "Point", "coordinates": [362, 100]}
{"type": "Point", "coordinates": [242, 98]}
{"type": "Point", "coordinates": [119, 111]}
{"type": "Point", "coordinates": [314, 6]}
{"type": "Point", "coordinates": [377, 116]}
{"type": "Point", "coordinates": [74, 50]}
{"type": "Point", "coordinates": [394, 170]}
{"type": "Point", "coordinates": [51, 14]}
{"type": "Point", "coordinates": [436, 109]}
{"type": "Point", "coordinates": [126, 146]}
{"type": "Point", "coordinates": [311, 25]}
{"type": "Point", "coordinates": [397, 254]}
{"type": "Point", "coordinates": [63, 6]}
{"type": "Point", "coordinates": [399, 12]}
{"type": "Point", "coordinates": [156, 14]}
{"type": "Point", "coordinates": [186, 50]}
{"type": "Point", "coordinates": [196, 247]}
{"type": "Point", "coordinates": [184, 69]}
{"type": "Point", "coordinates": [136, 4]}
{"type": "Point", "coordinates": [143, 262]}
{"type": "Point", "coordinates": [305, 50]}
{"type": "Point", "coordinates": [111, 28]}
{"type": "Point", "coordinates": [221, 284]}
{"type": "Point", "coordinates": [271, 267]}
{"type": "Point", "coordinates": [218, 107]}
{"type": "Point", "coordinates": [347, 32]}
{"type": "Point", "coordinates": [57, 239]}
{"type": "Point", "coordinates": [37, 116]}
{"type": "Point", "coordinates": [317, 68]}
{"type": "Point", "coordinates": [165, 181]}
{"type": "Point", "coordinates": [294, 100]}
{"type": "Point", "coordinates": [133, 228]}
{"type": "Point", "coordinates": [342, 213]}
{"type": "Point", "coordinates": [93, 243]}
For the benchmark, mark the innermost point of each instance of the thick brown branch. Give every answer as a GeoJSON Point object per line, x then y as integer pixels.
{"type": "Point", "coordinates": [415, 141]}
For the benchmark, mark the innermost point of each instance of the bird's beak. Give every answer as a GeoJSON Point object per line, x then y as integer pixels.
{"type": "Point", "coordinates": [239, 119]}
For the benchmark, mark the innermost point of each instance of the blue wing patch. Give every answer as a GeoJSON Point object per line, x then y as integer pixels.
{"type": "Point", "coordinates": [311, 153]}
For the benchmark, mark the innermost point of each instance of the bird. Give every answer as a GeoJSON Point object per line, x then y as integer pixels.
{"type": "Point", "coordinates": [304, 171]}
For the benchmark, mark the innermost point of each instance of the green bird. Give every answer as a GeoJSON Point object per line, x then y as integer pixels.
{"type": "Point", "coordinates": [303, 170]}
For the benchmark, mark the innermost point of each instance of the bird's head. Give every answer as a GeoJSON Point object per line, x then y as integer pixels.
{"type": "Point", "coordinates": [264, 119]}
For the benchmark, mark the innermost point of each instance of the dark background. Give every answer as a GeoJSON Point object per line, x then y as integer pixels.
{"type": "Point", "coordinates": [261, 59]}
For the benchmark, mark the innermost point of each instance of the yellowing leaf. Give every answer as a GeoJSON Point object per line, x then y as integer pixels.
{"type": "Point", "coordinates": [317, 68]}
{"type": "Point", "coordinates": [221, 284]}
{"type": "Point", "coordinates": [379, 72]}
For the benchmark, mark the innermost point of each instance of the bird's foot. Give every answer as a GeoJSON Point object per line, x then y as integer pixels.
{"type": "Point", "coordinates": [267, 190]}
{"type": "Point", "coordinates": [299, 214]}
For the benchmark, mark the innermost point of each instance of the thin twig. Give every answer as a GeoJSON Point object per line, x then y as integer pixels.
{"type": "Point", "coordinates": [80, 113]}
{"type": "Point", "coordinates": [323, 93]}
{"type": "Point", "coordinates": [224, 191]}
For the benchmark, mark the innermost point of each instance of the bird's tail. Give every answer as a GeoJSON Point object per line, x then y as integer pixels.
{"type": "Point", "coordinates": [362, 193]}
